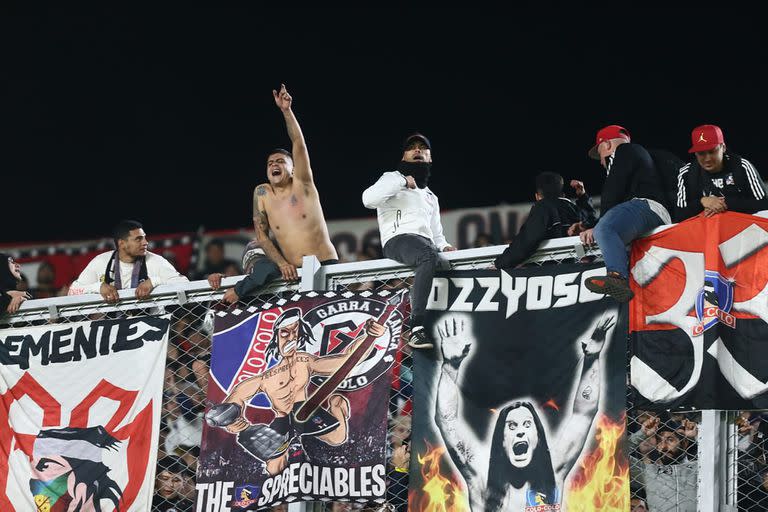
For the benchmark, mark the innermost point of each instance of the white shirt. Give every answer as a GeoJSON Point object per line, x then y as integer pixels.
{"type": "Point", "coordinates": [403, 210]}
{"type": "Point", "coordinates": [159, 270]}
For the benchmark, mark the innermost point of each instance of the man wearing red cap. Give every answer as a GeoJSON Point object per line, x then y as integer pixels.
{"type": "Point", "coordinates": [631, 205]}
{"type": "Point", "coordinates": [718, 180]}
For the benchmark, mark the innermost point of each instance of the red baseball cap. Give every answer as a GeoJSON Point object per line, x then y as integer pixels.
{"type": "Point", "coordinates": [706, 137]}
{"type": "Point", "coordinates": [612, 131]}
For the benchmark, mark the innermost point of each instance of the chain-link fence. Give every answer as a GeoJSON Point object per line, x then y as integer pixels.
{"type": "Point", "coordinates": [663, 450]}
{"type": "Point", "coordinates": [748, 456]}
{"type": "Point", "coordinates": [664, 447]}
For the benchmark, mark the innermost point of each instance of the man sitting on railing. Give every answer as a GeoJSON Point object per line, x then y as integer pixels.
{"type": "Point", "coordinates": [289, 207]}
{"type": "Point", "coordinates": [130, 265]}
{"type": "Point", "coordinates": [551, 216]}
{"type": "Point", "coordinates": [409, 223]}
{"type": "Point", "coordinates": [631, 205]}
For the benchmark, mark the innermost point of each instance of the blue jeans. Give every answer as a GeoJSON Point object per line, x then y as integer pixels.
{"type": "Point", "coordinates": [623, 223]}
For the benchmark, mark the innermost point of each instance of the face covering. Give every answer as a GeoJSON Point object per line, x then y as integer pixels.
{"type": "Point", "coordinates": [51, 495]}
{"type": "Point", "coordinates": [419, 170]}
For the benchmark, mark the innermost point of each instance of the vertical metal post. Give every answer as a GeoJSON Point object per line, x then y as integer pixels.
{"type": "Point", "coordinates": [312, 278]}
{"type": "Point", "coordinates": [311, 275]}
{"type": "Point", "coordinates": [709, 458]}
{"type": "Point", "coordinates": [730, 453]}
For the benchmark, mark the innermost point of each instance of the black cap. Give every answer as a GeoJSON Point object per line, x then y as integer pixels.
{"type": "Point", "coordinates": [174, 464]}
{"type": "Point", "coordinates": [416, 137]}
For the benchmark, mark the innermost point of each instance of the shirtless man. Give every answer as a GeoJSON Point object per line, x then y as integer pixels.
{"type": "Point", "coordinates": [515, 469]}
{"type": "Point", "coordinates": [288, 206]}
{"type": "Point", "coordinates": [285, 384]}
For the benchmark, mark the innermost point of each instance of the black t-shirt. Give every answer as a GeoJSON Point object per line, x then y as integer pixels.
{"type": "Point", "coordinates": [631, 173]}
{"type": "Point", "coordinates": [721, 184]}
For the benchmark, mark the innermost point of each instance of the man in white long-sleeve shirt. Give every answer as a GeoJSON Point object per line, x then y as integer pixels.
{"type": "Point", "coordinates": [409, 223]}
{"type": "Point", "coordinates": [129, 266]}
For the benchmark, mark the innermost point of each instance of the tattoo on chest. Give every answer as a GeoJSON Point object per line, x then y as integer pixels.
{"type": "Point", "coordinates": [293, 200]}
{"type": "Point", "coordinates": [277, 371]}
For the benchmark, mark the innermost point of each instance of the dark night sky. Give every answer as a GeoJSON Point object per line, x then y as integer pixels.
{"type": "Point", "coordinates": [168, 118]}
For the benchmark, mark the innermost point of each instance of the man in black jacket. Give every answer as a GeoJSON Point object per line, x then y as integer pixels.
{"type": "Point", "coordinates": [718, 180]}
{"type": "Point", "coordinates": [631, 205]}
{"type": "Point", "coordinates": [551, 216]}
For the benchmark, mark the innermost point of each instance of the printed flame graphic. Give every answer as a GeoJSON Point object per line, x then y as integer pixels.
{"type": "Point", "coordinates": [601, 483]}
{"type": "Point", "coordinates": [439, 493]}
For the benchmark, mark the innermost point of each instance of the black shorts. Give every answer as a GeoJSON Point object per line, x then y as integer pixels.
{"type": "Point", "coordinates": [319, 423]}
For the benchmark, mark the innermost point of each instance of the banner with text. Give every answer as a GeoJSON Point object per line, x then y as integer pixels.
{"type": "Point", "coordinates": [299, 396]}
{"type": "Point", "coordinates": [520, 406]}
{"type": "Point", "coordinates": [699, 320]}
{"type": "Point", "coordinates": [80, 414]}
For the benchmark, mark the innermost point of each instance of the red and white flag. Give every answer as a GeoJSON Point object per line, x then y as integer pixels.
{"type": "Point", "coordinates": [80, 413]}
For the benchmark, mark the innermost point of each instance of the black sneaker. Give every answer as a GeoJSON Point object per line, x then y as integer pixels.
{"type": "Point", "coordinates": [419, 339]}
{"type": "Point", "coordinates": [612, 284]}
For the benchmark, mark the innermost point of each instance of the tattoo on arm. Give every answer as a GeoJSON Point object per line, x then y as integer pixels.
{"type": "Point", "coordinates": [589, 387]}
{"type": "Point", "coordinates": [262, 222]}
{"type": "Point", "coordinates": [262, 235]}
{"type": "Point", "coordinates": [465, 451]}
{"type": "Point", "coordinates": [261, 190]}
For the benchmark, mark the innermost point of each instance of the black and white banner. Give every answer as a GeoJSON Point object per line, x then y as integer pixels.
{"type": "Point", "coordinates": [80, 414]}
{"type": "Point", "coordinates": [520, 406]}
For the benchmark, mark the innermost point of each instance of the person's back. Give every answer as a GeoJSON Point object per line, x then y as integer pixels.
{"type": "Point", "coordinates": [667, 166]}
{"type": "Point", "coordinates": [631, 174]}
{"type": "Point", "coordinates": [632, 204]}
{"type": "Point", "coordinates": [551, 216]}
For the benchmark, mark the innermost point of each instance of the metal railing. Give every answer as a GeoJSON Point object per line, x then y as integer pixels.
{"type": "Point", "coordinates": [189, 353]}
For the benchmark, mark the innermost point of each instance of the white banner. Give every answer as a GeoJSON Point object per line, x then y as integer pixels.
{"type": "Point", "coordinates": [80, 414]}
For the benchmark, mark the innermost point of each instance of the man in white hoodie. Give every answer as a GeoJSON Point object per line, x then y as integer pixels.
{"type": "Point", "coordinates": [131, 265]}
{"type": "Point", "coordinates": [409, 223]}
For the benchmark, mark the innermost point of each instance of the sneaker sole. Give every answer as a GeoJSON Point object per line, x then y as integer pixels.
{"type": "Point", "coordinates": [619, 293]}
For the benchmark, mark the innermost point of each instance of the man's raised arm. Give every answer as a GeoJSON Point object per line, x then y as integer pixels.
{"type": "Point", "coordinates": [301, 169]}
{"type": "Point", "coordinates": [573, 434]}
